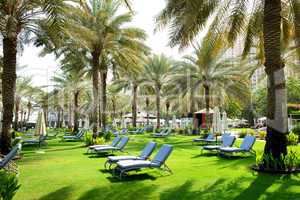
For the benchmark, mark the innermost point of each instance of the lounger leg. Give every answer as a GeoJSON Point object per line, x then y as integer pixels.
{"type": "Point", "coordinates": [166, 168]}
{"type": "Point", "coordinates": [105, 164]}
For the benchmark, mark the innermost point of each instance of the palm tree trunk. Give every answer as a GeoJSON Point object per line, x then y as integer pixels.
{"type": "Point", "coordinates": [103, 77]}
{"type": "Point", "coordinates": [114, 108]}
{"type": "Point", "coordinates": [45, 110]}
{"type": "Point", "coordinates": [158, 106]}
{"type": "Point", "coordinates": [276, 142]}
{"type": "Point", "coordinates": [95, 116]}
{"type": "Point", "coordinates": [58, 118]}
{"type": "Point", "coordinates": [70, 118]}
{"type": "Point", "coordinates": [296, 7]}
{"type": "Point", "coordinates": [17, 109]}
{"type": "Point", "coordinates": [8, 91]}
{"type": "Point", "coordinates": [134, 106]}
{"type": "Point", "coordinates": [29, 111]}
{"type": "Point", "coordinates": [76, 113]}
{"type": "Point", "coordinates": [147, 109]}
{"type": "Point", "coordinates": [62, 124]}
{"type": "Point", "coordinates": [207, 105]}
{"type": "Point", "coordinates": [192, 104]}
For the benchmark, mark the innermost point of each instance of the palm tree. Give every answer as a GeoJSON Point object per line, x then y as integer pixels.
{"type": "Point", "coordinates": [130, 81]}
{"type": "Point", "coordinates": [187, 18]}
{"type": "Point", "coordinates": [99, 30]}
{"type": "Point", "coordinates": [23, 89]}
{"type": "Point", "coordinates": [73, 83]}
{"type": "Point", "coordinates": [19, 18]}
{"type": "Point", "coordinates": [219, 77]}
{"type": "Point", "coordinates": [156, 74]}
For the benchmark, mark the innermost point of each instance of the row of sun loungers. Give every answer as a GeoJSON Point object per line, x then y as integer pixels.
{"type": "Point", "coordinates": [227, 143]}
{"type": "Point", "coordinates": [126, 163]}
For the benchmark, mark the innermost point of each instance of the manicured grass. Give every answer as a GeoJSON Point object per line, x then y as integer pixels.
{"type": "Point", "coordinates": [64, 172]}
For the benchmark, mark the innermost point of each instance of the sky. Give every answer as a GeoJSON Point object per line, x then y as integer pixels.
{"type": "Point", "coordinates": [43, 68]}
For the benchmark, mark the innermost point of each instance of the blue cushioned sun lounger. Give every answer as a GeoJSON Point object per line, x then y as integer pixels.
{"type": "Point", "coordinates": [5, 162]}
{"type": "Point", "coordinates": [120, 146]}
{"type": "Point", "coordinates": [113, 144]}
{"type": "Point", "coordinates": [158, 162]}
{"type": "Point", "coordinates": [145, 154]}
{"type": "Point", "coordinates": [246, 146]}
{"type": "Point", "coordinates": [78, 136]}
{"type": "Point", "coordinates": [227, 141]}
{"type": "Point", "coordinates": [210, 138]}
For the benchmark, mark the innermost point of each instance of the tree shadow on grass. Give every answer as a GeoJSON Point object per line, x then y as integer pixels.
{"type": "Point", "coordinates": [237, 189]}
{"type": "Point", "coordinates": [120, 191]}
{"type": "Point", "coordinates": [60, 194]}
{"type": "Point", "coordinates": [132, 178]}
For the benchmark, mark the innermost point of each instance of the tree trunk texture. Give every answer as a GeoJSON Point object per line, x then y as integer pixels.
{"type": "Point", "coordinates": [70, 115]}
{"type": "Point", "coordinates": [157, 106]}
{"type": "Point", "coordinates": [103, 77]}
{"type": "Point", "coordinates": [17, 109]}
{"type": "Point", "coordinates": [114, 109]}
{"type": "Point", "coordinates": [207, 106]}
{"type": "Point", "coordinates": [8, 91]}
{"type": "Point", "coordinates": [296, 7]}
{"type": "Point", "coordinates": [192, 100]}
{"type": "Point", "coordinates": [276, 142]}
{"type": "Point", "coordinates": [58, 118]}
{"type": "Point", "coordinates": [76, 112]}
{"type": "Point", "coordinates": [147, 109]}
{"type": "Point", "coordinates": [95, 116]}
{"type": "Point", "coordinates": [134, 105]}
{"type": "Point", "coordinates": [29, 111]}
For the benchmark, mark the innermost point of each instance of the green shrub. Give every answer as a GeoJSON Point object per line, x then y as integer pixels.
{"type": "Point", "coordinates": [296, 129]}
{"type": "Point", "coordinates": [98, 140]}
{"type": "Point", "coordinates": [88, 139]}
{"type": "Point", "coordinates": [107, 136]}
{"type": "Point", "coordinates": [244, 132]}
{"type": "Point", "coordinates": [8, 185]}
{"type": "Point", "coordinates": [262, 135]}
{"type": "Point", "coordinates": [180, 131]}
{"type": "Point", "coordinates": [292, 139]}
{"type": "Point", "coordinates": [287, 162]}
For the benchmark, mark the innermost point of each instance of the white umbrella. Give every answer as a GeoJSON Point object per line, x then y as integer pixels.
{"type": "Point", "coordinates": [40, 124]}
{"type": "Point", "coordinates": [86, 123]}
{"type": "Point", "coordinates": [215, 120]}
{"type": "Point", "coordinates": [219, 121]}
{"type": "Point", "coordinates": [224, 122]}
{"type": "Point", "coordinates": [174, 122]}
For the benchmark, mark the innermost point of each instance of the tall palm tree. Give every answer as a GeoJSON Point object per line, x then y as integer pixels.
{"type": "Point", "coordinates": [156, 74]}
{"type": "Point", "coordinates": [18, 18]}
{"type": "Point", "coordinates": [98, 28]}
{"type": "Point", "coordinates": [23, 89]}
{"type": "Point", "coordinates": [131, 81]}
{"type": "Point", "coordinates": [219, 77]}
{"type": "Point", "coordinates": [73, 83]}
{"type": "Point", "coordinates": [187, 18]}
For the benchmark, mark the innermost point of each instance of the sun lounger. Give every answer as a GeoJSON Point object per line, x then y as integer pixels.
{"type": "Point", "coordinates": [34, 141]}
{"type": "Point", "coordinates": [76, 137]}
{"type": "Point", "coordinates": [227, 141]}
{"type": "Point", "coordinates": [145, 154]}
{"type": "Point", "coordinates": [113, 144]}
{"type": "Point", "coordinates": [246, 146]}
{"type": "Point", "coordinates": [158, 162]}
{"type": "Point", "coordinates": [210, 139]}
{"type": "Point", "coordinates": [120, 147]}
{"type": "Point", "coordinates": [6, 162]}
{"type": "Point", "coordinates": [163, 133]}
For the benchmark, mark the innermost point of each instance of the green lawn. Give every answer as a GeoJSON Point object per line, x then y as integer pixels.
{"type": "Point", "coordinates": [64, 172]}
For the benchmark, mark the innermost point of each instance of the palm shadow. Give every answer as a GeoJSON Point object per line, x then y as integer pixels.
{"type": "Point", "coordinates": [60, 194]}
